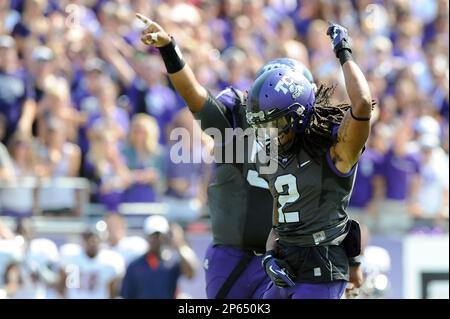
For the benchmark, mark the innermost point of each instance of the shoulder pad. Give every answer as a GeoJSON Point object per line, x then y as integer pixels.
{"type": "Point", "coordinates": [231, 98]}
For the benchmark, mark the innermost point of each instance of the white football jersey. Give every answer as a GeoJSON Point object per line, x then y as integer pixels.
{"type": "Point", "coordinates": [89, 278]}
{"type": "Point", "coordinates": [69, 250]}
{"type": "Point", "coordinates": [40, 255]}
{"type": "Point", "coordinates": [42, 251]}
{"type": "Point", "coordinates": [130, 248]}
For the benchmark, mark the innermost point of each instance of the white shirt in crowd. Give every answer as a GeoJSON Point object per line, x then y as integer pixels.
{"type": "Point", "coordinates": [434, 182]}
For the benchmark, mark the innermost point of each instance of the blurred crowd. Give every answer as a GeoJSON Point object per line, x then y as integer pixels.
{"type": "Point", "coordinates": [105, 263]}
{"type": "Point", "coordinates": [81, 97]}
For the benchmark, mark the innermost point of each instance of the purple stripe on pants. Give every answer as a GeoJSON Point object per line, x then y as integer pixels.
{"type": "Point", "coordinates": [219, 263]}
{"type": "Point", "coordinates": [332, 290]}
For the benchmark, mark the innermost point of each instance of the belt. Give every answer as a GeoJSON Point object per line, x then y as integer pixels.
{"type": "Point", "coordinates": [333, 236]}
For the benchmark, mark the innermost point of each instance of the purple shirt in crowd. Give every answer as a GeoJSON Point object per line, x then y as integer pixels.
{"type": "Point", "coordinates": [397, 172]}
{"type": "Point", "coordinates": [158, 101]}
{"type": "Point", "coordinates": [85, 102]}
{"type": "Point", "coordinates": [190, 172]}
{"type": "Point", "coordinates": [368, 167]}
{"type": "Point", "coordinates": [14, 90]}
{"type": "Point", "coordinates": [120, 116]}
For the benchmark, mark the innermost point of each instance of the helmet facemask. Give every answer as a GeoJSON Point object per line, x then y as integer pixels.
{"type": "Point", "coordinates": [272, 129]}
{"type": "Point", "coordinates": [271, 133]}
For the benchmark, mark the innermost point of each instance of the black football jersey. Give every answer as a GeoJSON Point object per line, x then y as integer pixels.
{"type": "Point", "coordinates": [312, 198]}
{"type": "Point", "coordinates": [239, 200]}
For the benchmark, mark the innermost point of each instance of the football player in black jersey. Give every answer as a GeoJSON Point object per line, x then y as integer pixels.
{"type": "Point", "coordinates": [318, 149]}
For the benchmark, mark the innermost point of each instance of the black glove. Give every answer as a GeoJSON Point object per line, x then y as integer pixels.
{"type": "Point", "coordinates": [277, 270]}
{"type": "Point", "coordinates": [340, 39]}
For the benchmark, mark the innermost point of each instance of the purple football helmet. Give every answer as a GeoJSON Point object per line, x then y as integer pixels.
{"type": "Point", "coordinates": [280, 98]}
{"type": "Point", "coordinates": [286, 62]}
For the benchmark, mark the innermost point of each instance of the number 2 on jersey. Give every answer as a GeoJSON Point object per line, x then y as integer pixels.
{"type": "Point", "coordinates": [292, 195]}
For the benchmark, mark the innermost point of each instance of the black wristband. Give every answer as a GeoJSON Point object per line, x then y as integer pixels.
{"type": "Point", "coordinates": [359, 118]}
{"type": "Point", "coordinates": [344, 55]}
{"type": "Point", "coordinates": [172, 57]}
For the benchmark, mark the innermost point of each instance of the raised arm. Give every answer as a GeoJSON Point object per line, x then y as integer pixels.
{"type": "Point", "coordinates": [180, 74]}
{"type": "Point", "coordinates": [29, 110]}
{"type": "Point", "coordinates": [355, 127]}
{"type": "Point", "coordinates": [111, 54]}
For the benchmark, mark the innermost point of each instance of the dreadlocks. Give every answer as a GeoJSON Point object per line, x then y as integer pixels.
{"type": "Point", "coordinates": [319, 135]}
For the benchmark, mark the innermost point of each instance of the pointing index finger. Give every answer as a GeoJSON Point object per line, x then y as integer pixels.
{"type": "Point", "coordinates": [143, 18]}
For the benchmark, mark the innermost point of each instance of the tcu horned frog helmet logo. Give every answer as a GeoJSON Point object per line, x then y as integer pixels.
{"type": "Point", "coordinates": [288, 85]}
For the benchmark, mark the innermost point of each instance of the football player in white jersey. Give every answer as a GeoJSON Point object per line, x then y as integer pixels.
{"type": "Point", "coordinates": [36, 260]}
{"type": "Point", "coordinates": [91, 272]}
